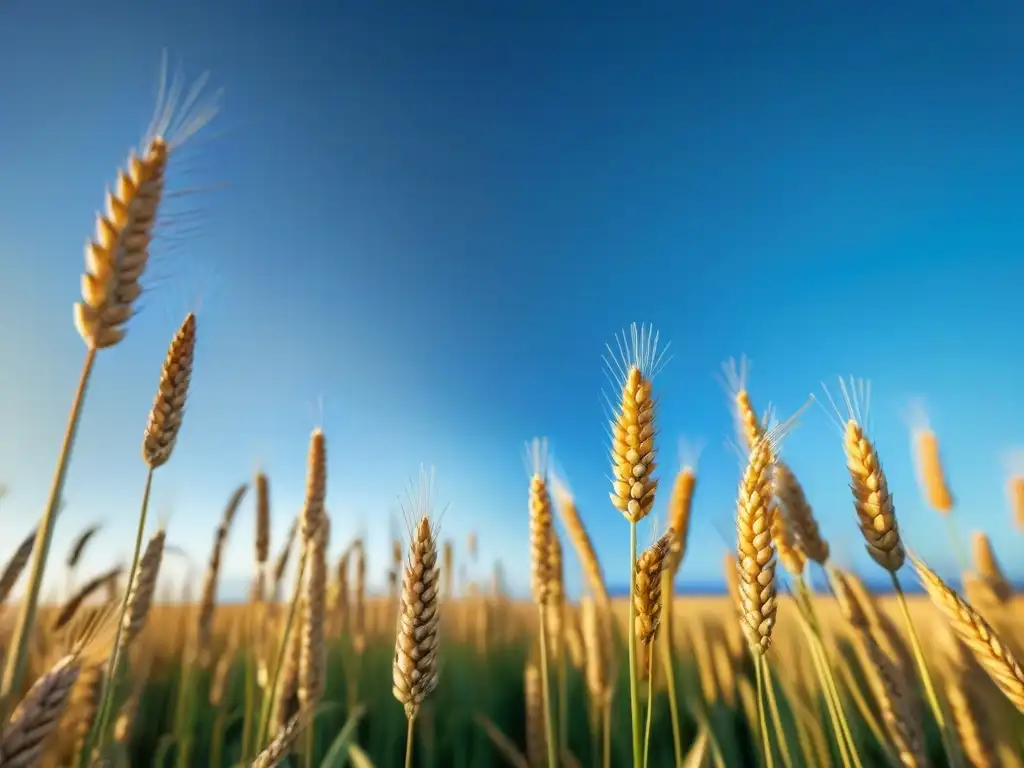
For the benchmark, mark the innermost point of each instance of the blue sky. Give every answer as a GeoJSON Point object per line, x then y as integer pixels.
{"type": "Point", "coordinates": [435, 219]}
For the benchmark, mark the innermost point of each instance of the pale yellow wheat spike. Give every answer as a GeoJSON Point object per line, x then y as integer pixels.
{"type": "Point", "coordinates": [876, 513]}
{"type": "Point", "coordinates": [117, 257]}
{"type": "Point", "coordinates": [142, 590]}
{"type": "Point", "coordinates": [569, 514]}
{"type": "Point", "coordinates": [790, 550]}
{"type": "Point", "coordinates": [312, 658]}
{"type": "Point", "coordinates": [680, 505]}
{"type": "Point", "coordinates": [541, 521]}
{"type": "Point", "coordinates": [633, 428]}
{"type": "Point", "coordinates": [928, 460]}
{"type": "Point", "coordinates": [647, 588]}
{"type": "Point", "coordinates": [415, 668]}
{"type": "Point", "coordinates": [988, 569]}
{"type": "Point", "coordinates": [169, 404]}
{"type": "Point", "coordinates": [805, 527]}
{"type": "Point", "coordinates": [976, 634]}
{"type": "Point", "coordinates": [756, 549]}
{"type": "Point", "coordinates": [316, 485]}
{"type": "Point", "coordinates": [555, 605]}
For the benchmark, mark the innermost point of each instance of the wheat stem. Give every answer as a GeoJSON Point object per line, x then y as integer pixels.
{"type": "Point", "coordinates": [773, 705]}
{"type": "Point", "coordinates": [545, 680]}
{"type": "Point", "coordinates": [409, 735]}
{"type": "Point", "coordinates": [634, 694]}
{"type": "Point", "coordinates": [107, 698]}
{"type": "Point", "coordinates": [22, 636]}
{"type": "Point", "coordinates": [606, 735]}
{"type": "Point", "coordinates": [766, 743]}
{"type": "Point", "coordinates": [922, 666]}
{"type": "Point", "coordinates": [650, 702]}
{"type": "Point", "coordinates": [668, 589]}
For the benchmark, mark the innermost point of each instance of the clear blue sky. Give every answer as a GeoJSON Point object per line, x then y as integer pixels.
{"type": "Point", "coordinates": [435, 219]}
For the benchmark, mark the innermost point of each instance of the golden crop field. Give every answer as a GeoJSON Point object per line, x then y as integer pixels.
{"type": "Point", "coordinates": [314, 671]}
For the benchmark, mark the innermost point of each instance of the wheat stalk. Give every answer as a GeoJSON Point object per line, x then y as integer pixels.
{"type": "Point", "coordinates": [414, 673]}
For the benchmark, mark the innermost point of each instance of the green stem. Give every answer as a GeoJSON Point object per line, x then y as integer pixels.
{"type": "Point", "coordinates": [97, 735]}
{"type": "Point", "coordinates": [606, 732]}
{"type": "Point", "coordinates": [670, 679]}
{"type": "Point", "coordinates": [634, 694]}
{"type": "Point", "coordinates": [926, 677]}
{"type": "Point", "coordinates": [766, 743]}
{"type": "Point", "coordinates": [250, 704]}
{"type": "Point", "coordinates": [650, 701]}
{"type": "Point", "coordinates": [808, 623]}
{"type": "Point", "coordinates": [773, 705]}
{"type": "Point", "coordinates": [217, 747]}
{"type": "Point", "coordinates": [563, 689]}
{"type": "Point", "coordinates": [21, 639]}
{"type": "Point", "coordinates": [409, 733]}
{"type": "Point", "coordinates": [271, 693]}
{"type": "Point", "coordinates": [307, 758]}
{"type": "Point", "coordinates": [958, 547]}
{"type": "Point", "coordinates": [545, 683]}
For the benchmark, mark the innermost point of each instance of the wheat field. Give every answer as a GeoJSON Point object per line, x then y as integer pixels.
{"type": "Point", "coordinates": [312, 670]}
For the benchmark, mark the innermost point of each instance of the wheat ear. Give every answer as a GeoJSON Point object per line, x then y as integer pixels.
{"type": "Point", "coordinates": [70, 608]}
{"type": "Point", "coordinates": [756, 549]}
{"type": "Point", "coordinates": [975, 633]}
{"type": "Point", "coordinates": [282, 744]}
{"type": "Point", "coordinates": [12, 571]}
{"type": "Point", "coordinates": [800, 514]}
{"type": "Point", "coordinates": [414, 673]}
{"type": "Point", "coordinates": [569, 514]}
{"type": "Point", "coordinates": [789, 548]}
{"type": "Point", "coordinates": [142, 589]}
{"type": "Point", "coordinates": [281, 564]}
{"type": "Point", "coordinates": [262, 542]}
{"type": "Point", "coordinates": [312, 659]}
{"type": "Point", "coordinates": [988, 568]}
{"type": "Point", "coordinates": [647, 588]}
{"type": "Point", "coordinates": [25, 738]}
{"type": "Point", "coordinates": [79, 544]}
{"type": "Point", "coordinates": [680, 505]}
{"type": "Point", "coordinates": [929, 463]}
{"type": "Point", "coordinates": [208, 601]}
{"type": "Point", "coordinates": [168, 409]}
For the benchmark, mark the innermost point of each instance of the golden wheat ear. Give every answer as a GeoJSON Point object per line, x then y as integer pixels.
{"type": "Point", "coordinates": [931, 474]}
{"type": "Point", "coordinates": [415, 669]}
{"type": "Point", "coordinates": [632, 423]}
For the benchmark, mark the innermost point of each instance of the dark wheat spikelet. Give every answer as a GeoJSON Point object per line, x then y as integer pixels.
{"type": "Point", "coordinates": [12, 571]}
{"type": "Point", "coordinates": [169, 404]}
{"type": "Point", "coordinates": [414, 672]}
{"type": "Point", "coordinates": [262, 534]}
{"type": "Point", "coordinates": [800, 514]}
{"type": "Point", "coordinates": [70, 607]}
{"type": "Point", "coordinates": [79, 544]}
{"type": "Point", "coordinates": [647, 588]}
{"type": "Point", "coordinates": [208, 601]}
{"type": "Point", "coordinates": [316, 485]}
{"type": "Point", "coordinates": [37, 717]}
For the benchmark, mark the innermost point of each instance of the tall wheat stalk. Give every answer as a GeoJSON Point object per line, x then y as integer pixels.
{"type": "Point", "coordinates": [632, 427]}
{"type": "Point", "coordinates": [115, 262]}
